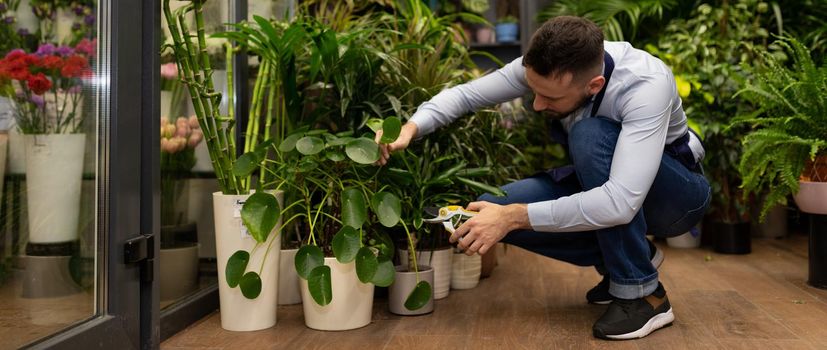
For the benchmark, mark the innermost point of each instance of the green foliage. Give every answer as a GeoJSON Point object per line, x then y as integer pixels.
{"type": "Point", "coordinates": [804, 19]}
{"type": "Point", "coordinates": [706, 53]}
{"type": "Point", "coordinates": [790, 123]}
{"type": "Point", "coordinates": [620, 19]}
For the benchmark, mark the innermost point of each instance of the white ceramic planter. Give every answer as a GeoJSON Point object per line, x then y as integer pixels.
{"type": "Point", "coordinates": [465, 271]}
{"type": "Point", "coordinates": [351, 306]}
{"type": "Point", "coordinates": [63, 24]}
{"type": "Point", "coordinates": [179, 272]}
{"type": "Point", "coordinates": [686, 240]}
{"type": "Point", "coordinates": [441, 263]}
{"type": "Point", "coordinates": [54, 168]}
{"type": "Point", "coordinates": [812, 197]}
{"type": "Point", "coordinates": [16, 162]}
{"type": "Point", "coordinates": [289, 288]}
{"type": "Point", "coordinates": [26, 18]}
{"type": "Point", "coordinates": [237, 312]}
{"type": "Point", "coordinates": [403, 284]}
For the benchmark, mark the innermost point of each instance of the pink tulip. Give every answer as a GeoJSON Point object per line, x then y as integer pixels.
{"type": "Point", "coordinates": [194, 122]}
{"type": "Point", "coordinates": [169, 71]}
{"type": "Point", "coordinates": [164, 120]}
{"type": "Point", "coordinates": [178, 143]}
{"type": "Point", "coordinates": [195, 138]}
{"type": "Point", "coordinates": [165, 145]}
{"type": "Point", "coordinates": [182, 131]}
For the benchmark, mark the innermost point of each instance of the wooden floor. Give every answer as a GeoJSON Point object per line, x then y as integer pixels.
{"type": "Point", "coordinates": [756, 301]}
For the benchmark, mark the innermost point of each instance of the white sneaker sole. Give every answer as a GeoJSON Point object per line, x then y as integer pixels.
{"type": "Point", "coordinates": [657, 322]}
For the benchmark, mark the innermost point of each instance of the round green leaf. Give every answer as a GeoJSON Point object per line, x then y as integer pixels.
{"type": "Point", "coordinates": [339, 141]}
{"type": "Point", "coordinates": [366, 264]}
{"type": "Point", "coordinates": [374, 124]}
{"type": "Point", "coordinates": [387, 207]}
{"type": "Point", "coordinates": [390, 130]}
{"type": "Point", "coordinates": [362, 150]}
{"type": "Point", "coordinates": [235, 267]}
{"type": "Point", "coordinates": [307, 165]}
{"type": "Point", "coordinates": [335, 156]}
{"type": "Point", "coordinates": [308, 258]}
{"type": "Point", "coordinates": [250, 285]}
{"type": "Point", "coordinates": [354, 209]}
{"type": "Point", "coordinates": [385, 272]}
{"type": "Point", "coordinates": [319, 285]}
{"type": "Point", "coordinates": [419, 297]}
{"type": "Point", "coordinates": [289, 142]}
{"type": "Point", "coordinates": [346, 244]}
{"type": "Point", "coordinates": [309, 145]}
{"type": "Point", "coordinates": [246, 164]}
{"type": "Point", "coordinates": [260, 214]}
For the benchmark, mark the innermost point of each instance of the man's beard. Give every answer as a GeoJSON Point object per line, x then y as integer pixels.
{"type": "Point", "coordinates": [561, 115]}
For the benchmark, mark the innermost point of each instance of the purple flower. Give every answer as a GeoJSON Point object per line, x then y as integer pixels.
{"type": "Point", "coordinates": [75, 89]}
{"type": "Point", "coordinates": [78, 10]}
{"type": "Point", "coordinates": [89, 20]}
{"type": "Point", "coordinates": [38, 101]}
{"type": "Point", "coordinates": [65, 51]}
{"type": "Point", "coordinates": [23, 32]}
{"type": "Point", "coordinates": [3, 7]}
{"type": "Point", "coordinates": [45, 50]}
{"type": "Point", "coordinates": [8, 20]}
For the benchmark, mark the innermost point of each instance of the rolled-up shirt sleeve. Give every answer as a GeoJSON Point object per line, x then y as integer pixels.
{"type": "Point", "coordinates": [502, 85]}
{"type": "Point", "coordinates": [645, 119]}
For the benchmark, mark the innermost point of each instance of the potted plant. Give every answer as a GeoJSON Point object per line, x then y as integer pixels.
{"type": "Point", "coordinates": [179, 246]}
{"type": "Point", "coordinates": [786, 152]}
{"type": "Point", "coordinates": [247, 266]}
{"type": "Point", "coordinates": [507, 29]}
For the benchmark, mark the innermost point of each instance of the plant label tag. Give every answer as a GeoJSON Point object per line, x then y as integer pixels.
{"type": "Point", "coordinates": [237, 208]}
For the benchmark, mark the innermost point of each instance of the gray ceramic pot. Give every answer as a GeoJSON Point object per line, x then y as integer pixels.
{"type": "Point", "coordinates": [403, 285]}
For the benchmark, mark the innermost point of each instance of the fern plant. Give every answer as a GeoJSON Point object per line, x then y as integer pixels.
{"type": "Point", "coordinates": [789, 126]}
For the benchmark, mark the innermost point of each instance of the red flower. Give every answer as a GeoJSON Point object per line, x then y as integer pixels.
{"type": "Point", "coordinates": [51, 62]}
{"type": "Point", "coordinates": [74, 66]}
{"type": "Point", "coordinates": [17, 70]}
{"type": "Point", "coordinates": [39, 84]}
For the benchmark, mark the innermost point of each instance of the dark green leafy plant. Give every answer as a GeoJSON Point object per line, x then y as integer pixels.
{"type": "Point", "coordinates": [620, 19]}
{"type": "Point", "coordinates": [790, 125]}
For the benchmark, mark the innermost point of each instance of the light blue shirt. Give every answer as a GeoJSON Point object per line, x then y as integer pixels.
{"type": "Point", "coordinates": [641, 95]}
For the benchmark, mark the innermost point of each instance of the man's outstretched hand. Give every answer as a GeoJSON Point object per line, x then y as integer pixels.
{"type": "Point", "coordinates": [489, 226]}
{"type": "Point", "coordinates": [405, 136]}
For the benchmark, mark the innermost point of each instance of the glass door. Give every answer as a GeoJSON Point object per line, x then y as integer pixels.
{"type": "Point", "coordinates": [77, 211]}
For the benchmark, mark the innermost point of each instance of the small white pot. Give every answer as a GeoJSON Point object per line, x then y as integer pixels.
{"type": "Point", "coordinates": [812, 197]}
{"type": "Point", "coordinates": [465, 271]}
{"type": "Point", "coordinates": [237, 312]}
{"type": "Point", "coordinates": [54, 169]}
{"type": "Point", "coordinates": [686, 240]}
{"type": "Point", "coordinates": [351, 306]}
{"type": "Point", "coordinates": [289, 287]}
{"type": "Point", "coordinates": [441, 263]}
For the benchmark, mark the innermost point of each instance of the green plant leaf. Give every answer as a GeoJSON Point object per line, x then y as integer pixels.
{"type": "Point", "coordinates": [339, 141]}
{"type": "Point", "coordinates": [385, 272]}
{"type": "Point", "coordinates": [362, 150]}
{"type": "Point", "coordinates": [309, 145]}
{"type": "Point", "coordinates": [289, 142]}
{"type": "Point", "coordinates": [375, 124]}
{"type": "Point", "coordinates": [346, 244]}
{"type": "Point", "coordinates": [246, 164]}
{"type": "Point", "coordinates": [390, 130]}
{"type": "Point", "coordinates": [236, 265]}
{"type": "Point", "coordinates": [335, 156]}
{"type": "Point", "coordinates": [319, 285]}
{"type": "Point", "coordinates": [354, 209]}
{"type": "Point", "coordinates": [307, 164]}
{"type": "Point", "coordinates": [308, 258]}
{"type": "Point", "coordinates": [260, 215]}
{"type": "Point", "coordinates": [387, 207]}
{"type": "Point", "coordinates": [366, 264]}
{"type": "Point", "coordinates": [250, 285]}
{"type": "Point", "coordinates": [419, 297]}
{"type": "Point", "coordinates": [481, 186]}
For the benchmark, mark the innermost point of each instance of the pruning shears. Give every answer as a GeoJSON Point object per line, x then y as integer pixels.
{"type": "Point", "coordinates": [447, 214]}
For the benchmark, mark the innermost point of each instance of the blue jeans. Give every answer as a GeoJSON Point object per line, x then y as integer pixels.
{"type": "Point", "coordinates": [675, 203]}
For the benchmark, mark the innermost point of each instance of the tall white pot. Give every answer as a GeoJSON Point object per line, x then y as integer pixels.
{"type": "Point", "coordinates": [465, 271]}
{"type": "Point", "coordinates": [289, 290]}
{"type": "Point", "coordinates": [351, 306]}
{"type": "Point", "coordinates": [442, 264]}
{"type": "Point", "coordinates": [54, 168]}
{"type": "Point", "coordinates": [237, 312]}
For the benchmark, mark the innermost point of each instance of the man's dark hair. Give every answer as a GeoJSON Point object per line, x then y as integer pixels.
{"type": "Point", "coordinates": [565, 44]}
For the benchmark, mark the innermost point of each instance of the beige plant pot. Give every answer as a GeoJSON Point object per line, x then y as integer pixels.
{"type": "Point", "coordinates": [54, 169]}
{"type": "Point", "coordinates": [179, 272]}
{"type": "Point", "coordinates": [237, 312]}
{"type": "Point", "coordinates": [405, 282]}
{"type": "Point", "coordinates": [812, 197]}
{"type": "Point", "coordinates": [289, 287]}
{"type": "Point", "coordinates": [351, 306]}
{"type": "Point", "coordinates": [441, 263]}
{"type": "Point", "coordinates": [465, 271]}
{"type": "Point", "coordinates": [686, 240]}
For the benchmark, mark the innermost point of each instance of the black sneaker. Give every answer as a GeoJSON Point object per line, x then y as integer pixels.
{"type": "Point", "coordinates": [599, 294]}
{"type": "Point", "coordinates": [636, 318]}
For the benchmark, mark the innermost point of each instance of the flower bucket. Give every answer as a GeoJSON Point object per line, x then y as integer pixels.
{"type": "Point", "coordinates": [54, 169]}
{"type": "Point", "coordinates": [350, 307]}
{"type": "Point", "coordinates": [237, 312]}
